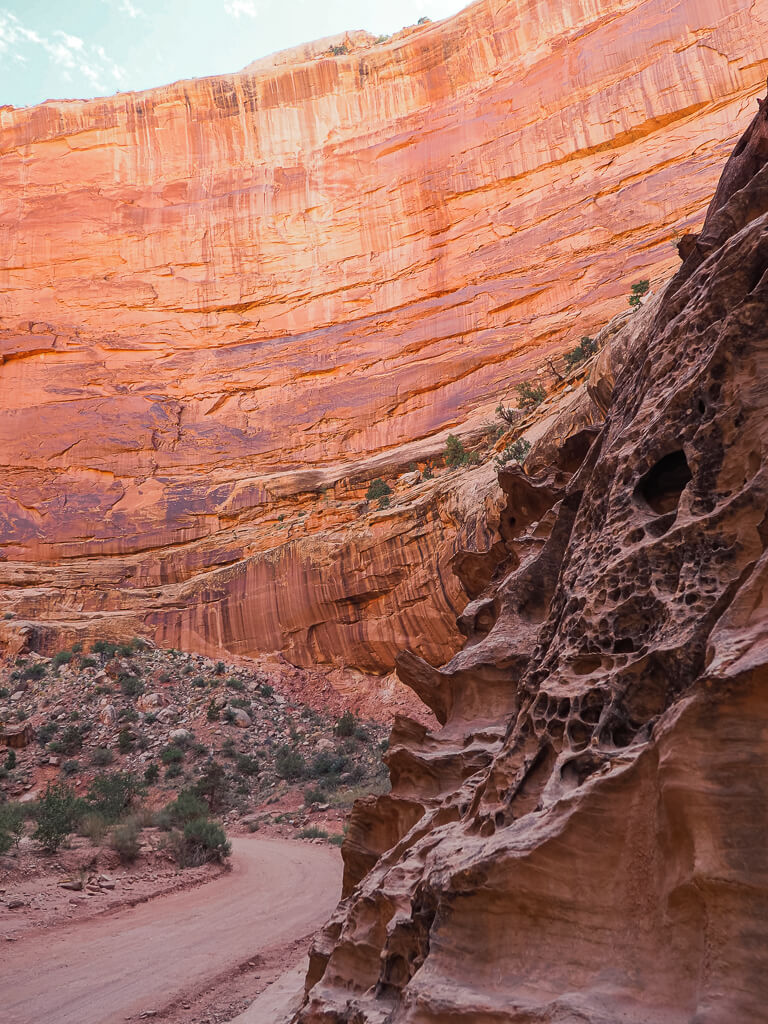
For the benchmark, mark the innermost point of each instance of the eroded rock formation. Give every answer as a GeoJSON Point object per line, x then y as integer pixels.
{"type": "Point", "coordinates": [585, 837]}
{"type": "Point", "coordinates": [226, 305]}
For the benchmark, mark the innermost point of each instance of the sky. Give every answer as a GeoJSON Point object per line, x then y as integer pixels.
{"type": "Point", "coordinates": [51, 49]}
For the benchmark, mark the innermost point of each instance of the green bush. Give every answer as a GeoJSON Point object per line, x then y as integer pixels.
{"type": "Point", "coordinates": [11, 825]}
{"type": "Point", "coordinates": [173, 771]}
{"type": "Point", "coordinates": [529, 395]}
{"type": "Point", "coordinates": [125, 842]}
{"type": "Point", "coordinates": [346, 725]}
{"type": "Point", "coordinates": [125, 741]}
{"type": "Point", "coordinates": [171, 754]}
{"type": "Point", "coordinates": [266, 690]}
{"type": "Point", "coordinates": [586, 348]}
{"type": "Point", "coordinates": [151, 774]}
{"type": "Point", "coordinates": [112, 795]}
{"type": "Point", "coordinates": [212, 785]}
{"type": "Point", "coordinates": [34, 672]}
{"type": "Point", "coordinates": [93, 827]}
{"type": "Point", "coordinates": [315, 795]}
{"type": "Point", "coordinates": [289, 764]}
{"type": "Point", "coordinates": [70, 767]}
{"type": "Point", "coordinates": [247, 765]}
{"type": "Point", "coordinates": [105, 649]}
{"type": "Point", "coordinates": [58, 813]}
{"type": "Point", "coordinates": [379, 490]}
{"type": "Point", "coordinates": [339, 50]}
{"type": "Point", "coordinates": [313, 832]}
{"type": "Point", "coordinates": [638, 290]}
{"type": "Point", "coordinates": [62, 658]}
{"type": "Point", "coordinates": [201, 841]}
{"type": "Point", "coordinates": [219, 668]}
{"type": "Point", "coordinates": [455, 452]}
{"type": "Point", "coordinates": [212, 714]}
{"type": "Point", "coordinates": [516, 451]}
{"type": "Point", "coordinates": [326, 763]}
{"type": "Point", "coordinates": [188, 806]}
{"type": "Point", "coordinates": [88, 663]}
{"type": "Point", "coordinates": [70, 741]}
{"type": "Point", "coordinates": [101, 757]}
{"type": "Point", "coordinates": [131, 685]}
{"type": "Point", "coordinates": [10, 760]}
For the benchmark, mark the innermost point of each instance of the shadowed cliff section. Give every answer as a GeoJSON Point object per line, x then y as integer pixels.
{"type": "Point", "coordinates": [584, 838]}
{"type": "Point", "coordinates": [226, 305]}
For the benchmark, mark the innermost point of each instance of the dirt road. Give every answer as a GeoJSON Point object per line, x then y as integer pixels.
{"type": "Point", "coordinates": [114, 967]}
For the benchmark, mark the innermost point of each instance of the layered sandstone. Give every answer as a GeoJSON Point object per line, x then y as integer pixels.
{"type": "Point", "coordinates": [584, 837]}
{"type": "Point", "coordinates": [238, 299]}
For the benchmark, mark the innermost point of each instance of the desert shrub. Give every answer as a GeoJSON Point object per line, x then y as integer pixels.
{"type": "Point", "coordinates": [125, 842]}
{"type": "Point", "coordinates": [4, 692]}
{"type": "Point", "coordinates": [289, 764]}
{"type": "Point", "coordinates": [219, 668]}
{"type": "Point", "coordinates": [188, 806]}
{"type": "Point", "coordinates": [266, 690]}
{"type": "Point", "coordinates": [11, 825]}
{"type": "Point", "coordinates": [313, 832]}
{"type": "Point", "coordinates": [200, 842]}
{"type": "Point", "coordinates": [247, 765]}
{"type": "Point", "coordinates": [93, 826]}
{"type": "Point", "coordinates": [379, 490]}
{"type": "Point", "coordinates": [516, 451]}
{"type": "Point", "coordinates": [70, 741]}
{"type": "Point", "coordinates": [62, 658]}
{"type": "Point", "coordinates": [127, 715]}
{"type": "Point", "coordinates": [424, 20]}
{"type": "Point", "coordinates": [71, 767]}
{"type": "Point", "coordinates": [530, 396]}
{"type": "Point", "coordinates": [212, 785]}
{"type": "Point", "coordinates": [106, 649]}
{"type": "Point", "coordinates": [346, 725]}
{"type": "Point", "coordinates": [508, 414]}
{"type": "Point", "coordinates": [10, 760]}
{"type": "Point", "coordinates": [339, 50]}
{"type": "Point", "coordinates": [173, 771]}
{"type": "Point", "coordinates": [111, 795]}
{"type": "Point", "coordinates": [586, 348]}
{"type": "Point", "coordinates": [315, 795]}
{"type": "Point", "coordinates": [212, 714]}
{"type": "Point", "coordinates": [428, 472]}
{"type": "Point", "coordinates": [151, 774]}
{"type": "Point", "coordinates": [638, 290]}
{"type": "Point", "coordinates": [88, 663]}
{"type": "Point", "coordinates": [337, 840]}
{"type": "Point", "coordinates": [125, 741]}
{"type": "Point", "coordinates": [198, 682]}
{"type": "Point", "coordinates": [131, 685]}
{"type": "Point", "coordinates": [101, 757]}
{"type": "Point", "coordinates": [171, 754]}
{"type": "Point", "coordinates": [33, 672]}
{"type": "Point", "coordinates": [326, 763]}
{"type": "Point", "coordinates": [235, 684]}
{"type": "Point", "coordinates": [58, 813]}
{"type": "Point", "coordinates": [455, 452]}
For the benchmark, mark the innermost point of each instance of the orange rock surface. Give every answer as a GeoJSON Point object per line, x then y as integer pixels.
{"type": "Point", "coordinates": [240, 298]}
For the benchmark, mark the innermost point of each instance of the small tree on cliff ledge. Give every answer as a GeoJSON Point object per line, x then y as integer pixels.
{"type": "Point", "coordinates": [639, 289]}
{"type": "Point", "coordinates": [380, 490]}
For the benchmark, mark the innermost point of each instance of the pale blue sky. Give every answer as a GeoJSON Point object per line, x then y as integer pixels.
{"type": "Point", "coordinates": [84, 48]}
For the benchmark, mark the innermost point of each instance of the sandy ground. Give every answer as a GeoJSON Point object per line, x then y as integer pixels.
{"type": "Point", "coordinates": [121, 965]}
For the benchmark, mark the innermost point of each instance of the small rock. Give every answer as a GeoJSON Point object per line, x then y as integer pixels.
{"type": "Point", "coordinates": [14, 904]}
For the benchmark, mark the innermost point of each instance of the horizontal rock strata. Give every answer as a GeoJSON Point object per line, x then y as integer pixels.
{"type": "Point", "coordinates": [584, 837]}
{"type": "Point", "coordinates": [220, 297]}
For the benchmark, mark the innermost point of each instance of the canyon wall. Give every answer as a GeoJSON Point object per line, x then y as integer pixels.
{"type": "Point", "coordinates": [226, 305]}
{"type": "Point", "coordinates": [583, 838]}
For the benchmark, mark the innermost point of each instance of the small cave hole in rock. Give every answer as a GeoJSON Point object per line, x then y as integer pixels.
{"type": "Point", "coordinates": [661, 487]}
{"type": "Point", "coordinates": [623, 645]}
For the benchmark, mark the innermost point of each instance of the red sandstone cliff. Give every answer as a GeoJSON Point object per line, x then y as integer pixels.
{"type": "Point", "coordinates": [584, 837]}
{"type": "Point", "coordinates": [238, 299]}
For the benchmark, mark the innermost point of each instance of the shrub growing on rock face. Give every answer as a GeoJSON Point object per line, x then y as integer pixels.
{"type": "Point", "coordinates": [101, 757]}
{"type": "Point", "coordinates": [638, 290]}
{"type": "Point", "coordinates": [201, 841]}
{"type": "Point", "coordinates": [517, 451]}
{"type": "Point", "coordinates": [131, 685]}
{"type": "Point", "coordinates": [62, 658]}
{"type": "Point", "coordinates": [379, 491]}
{"type": "Point", "coordinates": [530, 395]}
{"type": "Point", "coordinates": [586, 348]}
{"type": "Point", "coordinates": [171, 754]}
{"type": "Point", "coordinates": [151, 774]}
{"type": "Point", "coordinates": [58, 813]}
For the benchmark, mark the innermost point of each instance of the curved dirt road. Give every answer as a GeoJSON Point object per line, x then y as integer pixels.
{"type": "Point", "coordinates": [112, 968]}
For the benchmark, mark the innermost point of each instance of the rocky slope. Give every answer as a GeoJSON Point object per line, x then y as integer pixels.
{"type": "Point", "coordinates": [584, 838]}
{"type": "Point", "coordinates": [226, 305]}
